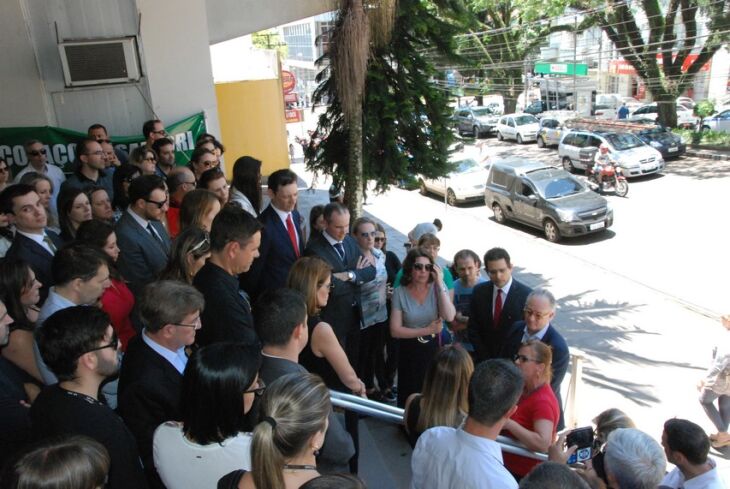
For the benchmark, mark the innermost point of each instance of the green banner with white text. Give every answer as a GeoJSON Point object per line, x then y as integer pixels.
{"type": "Point", "coordinates": [61, 143]}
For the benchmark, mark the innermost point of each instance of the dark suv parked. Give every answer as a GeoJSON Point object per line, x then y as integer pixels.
{"type": "Point", "coordinates": [545, 197]}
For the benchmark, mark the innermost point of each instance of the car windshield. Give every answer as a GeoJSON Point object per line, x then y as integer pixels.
{"type": "Point", "coordinates": [464, 166]}
{"type": "Point", "coordinates": [553, 188]}
{"type": "Point", "coordinates": [550, 123]}
{"type": "Point", "coordinates": [621, 142]}
{"type": "Point", "coordinates": [482, 111]}
{"type": "Point", "coordinates": [521, 120]}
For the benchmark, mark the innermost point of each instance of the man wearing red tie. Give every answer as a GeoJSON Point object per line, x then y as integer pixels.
{"type": "Point", "coordinates": [281, 238]}
{"type": "Point", "coordinates": [495, 305]}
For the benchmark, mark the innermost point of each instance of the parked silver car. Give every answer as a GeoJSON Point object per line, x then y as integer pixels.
{"type": "Point", "coordinates": [633, 156]}
{"type": "Point", "coordinates": [478, 121]}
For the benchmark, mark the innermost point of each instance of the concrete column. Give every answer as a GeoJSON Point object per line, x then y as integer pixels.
{"type": "Point", "coordinates": [174, 41]}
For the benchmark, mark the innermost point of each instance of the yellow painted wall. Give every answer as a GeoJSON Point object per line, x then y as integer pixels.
{"type": "Point", "coordinates": [251, 116]}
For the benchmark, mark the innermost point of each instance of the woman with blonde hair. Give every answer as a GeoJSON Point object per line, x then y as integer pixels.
{"type": "Point", "coordinates": [323, 354]}
{"type": "Point", "coordinates": [536, 419]}
{"type": "Point", "coordinates": [199, 207]}
{"type": "Point", "coordinates": [292, 423]}
{"type": "Point", "coordinates": [444, 400]}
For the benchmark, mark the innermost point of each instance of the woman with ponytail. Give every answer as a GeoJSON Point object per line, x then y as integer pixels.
{"type": "Point", "coordinates": [290, 432]}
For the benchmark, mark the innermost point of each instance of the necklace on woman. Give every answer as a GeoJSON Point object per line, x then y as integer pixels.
{"type": "Point", "coordinates": [299, 467]}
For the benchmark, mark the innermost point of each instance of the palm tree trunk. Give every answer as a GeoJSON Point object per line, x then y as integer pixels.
{"type": "Point", "coordinates": [354, 184]}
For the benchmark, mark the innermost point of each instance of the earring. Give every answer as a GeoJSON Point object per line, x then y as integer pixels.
{"type": "Point", "coordinates": [316, 451]}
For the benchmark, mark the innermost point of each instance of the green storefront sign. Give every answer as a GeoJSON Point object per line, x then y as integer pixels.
{"type": "Point", "coordinates": [61, 143]}
{"type": "Point", "coordinates": [578, 69]}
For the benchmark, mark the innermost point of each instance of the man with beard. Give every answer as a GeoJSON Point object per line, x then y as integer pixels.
{"type": "Point", "coordinates": [79, 345]}
{"type": "Point", "coordinates": [165, 150]}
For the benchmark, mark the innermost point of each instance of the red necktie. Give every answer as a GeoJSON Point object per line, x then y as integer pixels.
{"type": "Point", "coordinates": [497, 309]}
{"type": "Point", "coordinates": [292, 234]}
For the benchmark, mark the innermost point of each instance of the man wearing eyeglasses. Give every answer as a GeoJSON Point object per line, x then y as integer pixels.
{"type": "Point", "coordinates": [153, 130]}
{"type": "Point", "coordinates": [89, 171]}
{"type": "Point", "coordinates": [100, 134]}
{"type": "Point", "coordinates": [36, 153]}
{"type": "Point", "coordinates": [144, 244]}
{"type": "Point", "coordinates": [80, 346]}
{"type": "Point", "coordinates": [150, 381]}
{"type": "Point", "coordinates": [539, 311]}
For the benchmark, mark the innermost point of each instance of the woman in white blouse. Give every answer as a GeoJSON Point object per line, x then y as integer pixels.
{"type": "Point", "coordinates": [220, 384]}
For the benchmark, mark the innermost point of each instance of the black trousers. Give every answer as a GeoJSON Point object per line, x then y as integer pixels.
{"type": "Point", "coordinates": [414, 359]}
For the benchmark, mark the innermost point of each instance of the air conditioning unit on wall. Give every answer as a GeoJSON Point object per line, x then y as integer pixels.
{"type": "Point", "coordinates": [99, 62]}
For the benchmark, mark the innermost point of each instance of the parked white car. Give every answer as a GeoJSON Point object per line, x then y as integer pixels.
{"type": "Point", "coordinates": [685, 118]}
{"type": "Point", "coordinates": [464, 183]}
{"type": "Point", "coordinates": [520, 127]}
{"type": "Point", "coordinates": [718, 122]}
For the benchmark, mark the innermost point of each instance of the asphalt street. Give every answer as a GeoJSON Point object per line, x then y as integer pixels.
{"type": "Point", "coordinates": [639, 302]}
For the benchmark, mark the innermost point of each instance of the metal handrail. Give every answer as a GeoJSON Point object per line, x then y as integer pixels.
{"type": "Point", "coordinates": [392, 414]}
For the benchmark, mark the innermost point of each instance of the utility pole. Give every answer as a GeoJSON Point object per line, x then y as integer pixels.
{"type": "Point", "coordinates": [575, 68]}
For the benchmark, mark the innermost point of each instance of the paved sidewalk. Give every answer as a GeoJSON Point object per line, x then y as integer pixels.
{"type": "Point", "coordinates": [709, 154]}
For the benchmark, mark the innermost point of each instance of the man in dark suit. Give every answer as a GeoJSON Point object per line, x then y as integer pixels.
{"type": "Point", "coordinates": [235, 236]}
{"type": "Point", "coordinates": [350, 269]}
{"type": "Point", "coordinates": [151, 374]}
{"type": "Point", "coordinates": [539, 312]}
{"type": "Point", "coordinates": [281, 323]}
{"type": "Point", "coordinates": [281, 238]}
{"type": "Point", "coordinates": [33, 243]}
{"type": "Point", "coordinates": [144, 245]}
{"type": "Point", "coordinates": [495, 305]}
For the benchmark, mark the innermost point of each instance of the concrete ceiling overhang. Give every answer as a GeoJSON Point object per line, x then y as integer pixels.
{"type": "Point", "coordinates": [229, 19]}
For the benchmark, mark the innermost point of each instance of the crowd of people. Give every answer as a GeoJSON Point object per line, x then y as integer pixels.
{"type": "Point", "coordinates": [160, 327]}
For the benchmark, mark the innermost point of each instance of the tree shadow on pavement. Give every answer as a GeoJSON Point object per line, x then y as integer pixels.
{"type": "Point", "coordinates": [698, 168]}
{"type": "Point", "coordinates": [583, 324]}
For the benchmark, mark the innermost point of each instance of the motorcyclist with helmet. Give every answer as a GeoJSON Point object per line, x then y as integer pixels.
{"type": "Point", "coordinates": [600, 161]}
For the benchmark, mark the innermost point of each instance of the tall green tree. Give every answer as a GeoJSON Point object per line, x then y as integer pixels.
{"type": "Point", "coordinates": [405, 115]}
{"type": "Point", "coordinates": [504, 34]}
{"type": "Point", "coordinates": [660, 39]}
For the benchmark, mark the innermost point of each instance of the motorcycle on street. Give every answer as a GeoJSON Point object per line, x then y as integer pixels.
{"type": "Point", "coordinates": [604, 175]}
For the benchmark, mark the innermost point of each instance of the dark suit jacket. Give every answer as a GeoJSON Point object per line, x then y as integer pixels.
{"type": "Point", "coordinates": [345, 294]}
{"type": "Point", "coordinates": [149, 394]}
{"type": "Point", "coordinates": [338, 447]}
{"type": "Point", "coordinates": [227, 314]}
{"type": "Point", "coordinates": [141, 257]}
{"type": "Point", "coordinates": [276, 255]}
{"type": "Point", "coordinates": [27, 250]}
{"type": "Point", "coordinates": [561, 354]}
{"type": "Point", "coordinates": [486, 336]}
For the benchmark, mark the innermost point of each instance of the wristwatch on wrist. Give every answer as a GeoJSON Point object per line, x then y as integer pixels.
{"type": "Point", "coordinates": [351, 275]}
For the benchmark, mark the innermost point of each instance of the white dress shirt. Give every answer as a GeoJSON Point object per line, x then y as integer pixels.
{"type": "Point", "coordinates": [177, 359]}
{"type": "Point", "coordinates": [38, 238]}
{"type": "Point", "coordinates": [283, 215]}
{"type": "Point", "coordinates": [709, 480]}
{"type": "Point", "coordinates": [505, 291]}
{"type": "Point", "coordinates": [450, 458]}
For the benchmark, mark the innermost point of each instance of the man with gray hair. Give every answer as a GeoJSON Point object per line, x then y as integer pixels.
{"type": "Point", "coordinates": [151, 376]}
{"type": "Point", "coordinates": [539, 312]}
{"type": "Point", "coordinates": [469, 457]}
{"type": "Point", "coordinates": [633, 460]}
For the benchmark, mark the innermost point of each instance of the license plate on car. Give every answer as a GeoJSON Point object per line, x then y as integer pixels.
{"type": "Point", "coordinates": [597, 225]}
{"type": "Point", "coordinates": [673, 149]}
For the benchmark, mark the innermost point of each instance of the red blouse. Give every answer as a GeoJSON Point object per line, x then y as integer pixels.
{"type": "Point", "coordinates": [118, 302]}
{"type": "Point", "coordinates": [538, 404]}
